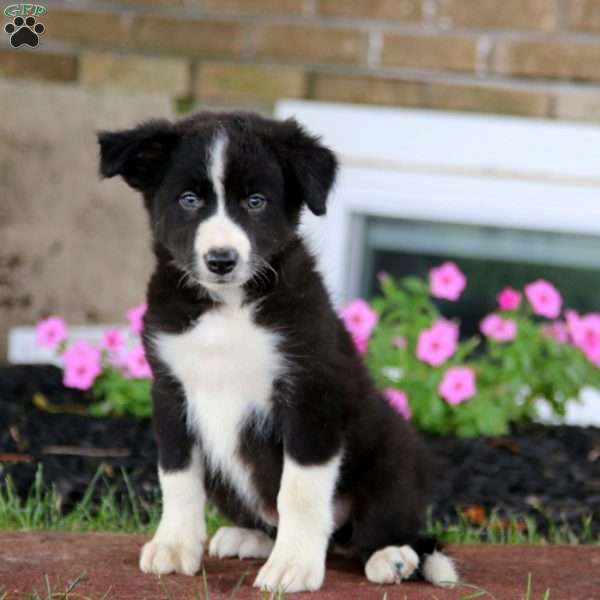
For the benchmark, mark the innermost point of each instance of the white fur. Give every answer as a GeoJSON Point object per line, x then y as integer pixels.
{"type": "Point", "coordinates": [306, 521]}
{"type": "Point", "coordinates": [240, 542]}
{"type": "Point", "coordinates": [227, 365]}
{"type": "Point", "coordinates": [219, 231]}
{"type": "Point", "coordinates": [439, 569]}
{"type": "Point", "coordinates": [179, 541]}
{"type": "Point", "coordinates": [391, 565]}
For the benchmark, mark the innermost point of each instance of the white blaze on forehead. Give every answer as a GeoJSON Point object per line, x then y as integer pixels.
{"type": "Point", "coordinates": [220, 231]}
{"type": "Point", "coordinates": [216, 167]}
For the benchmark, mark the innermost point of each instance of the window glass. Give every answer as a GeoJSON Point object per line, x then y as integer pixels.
{"type": "Point", "coordinates": [491, 258]}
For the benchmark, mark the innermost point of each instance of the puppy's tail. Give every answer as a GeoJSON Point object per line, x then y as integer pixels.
{"type": "Point", "coordinates": [435, 566]}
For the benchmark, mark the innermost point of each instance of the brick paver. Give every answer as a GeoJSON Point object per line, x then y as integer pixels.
{"type": "Point", "coordinates": [110, 566]}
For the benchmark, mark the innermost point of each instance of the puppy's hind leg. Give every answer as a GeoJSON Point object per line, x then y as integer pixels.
{"type": "Point", "coordinates": [439, 569]}
{"type": "Point", "coordinates": [420, 556]}
{"type": "Point", "coordinates": [240, 542]}
{"type": "Point", "coordinates": [389, 544]}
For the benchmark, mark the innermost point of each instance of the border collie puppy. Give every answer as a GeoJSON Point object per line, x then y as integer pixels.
{"type": "Point", "coordinates": [261, 402]}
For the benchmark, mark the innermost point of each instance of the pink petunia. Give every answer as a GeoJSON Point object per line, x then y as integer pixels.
{"type": "Point", "coordinates": [51, 331]}
{"type": "Point", "coordinates": [137, 364]}
{"type": "Point", "coordinates": [499, 329]}
{"type": "Point", "coordinates": [585, 332]}
{"type": "Point", "coordinates": [447, 281]}
{"type": "Point", "coordinates": [558, 331]}
{"type": "Point", "coordinates": [399, 342]}
{"type": "Point", "coordinates": [438, 343]}
{"type": "Point", "coordinates": [361, 344]}
{"type": "Point", "coordinates": [80, 375]}
{"type": "Point", "coordinates": [82, 365]}
{"type": "Point", "coordinates": [399, 400]}
{"type": "Point", "coordinates": [572, 320]}
{"type": "Point", "coordinates": [508, 299]}
{"type": "Point", "coordinates": [544, 298]}
{"type": "Point", "coordinates": [112, 340]}
{"type": "Point", "coordinates": [457, 385]}
{"type": "Point", "coordinates": [359, 318]}
{"type": "Point", "coordinates": [81, 351]}
{"type": "Point", "coordinates": [135, 316]}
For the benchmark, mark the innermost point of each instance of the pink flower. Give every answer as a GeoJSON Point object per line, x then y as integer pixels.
{"type": "Point", "coordinates": [457, 385]}
{"type": "Point", "coordinates": [572, 320]}
{"type": "Point", "coordinates": [81, 351]}
{"type": "Point", "coordinates": [136, 317]}
{"type": "Point", "coordinates": [557, 331]}
{"type": "Point", "coordinates": [447, 281]}
{"type": "Point", "coordinates": [585, 332]}
{"type": "Point", "coordinates": [508, 299]}
{"type": "Point", "coordinates": [359, 319]}
{"type": "Point", "coordinates": [499, 329]}
{"type": "Point", "coordinates": [399, 342]}
{"type": "Point", "coordinates": [399, 400]}
{"type": "Point", "coordinates": [82, 365]}
{"type": "Point", "coordinates": [112, 340]}
{"type": "Point", "coordinates": [80, 375]}
{"type": "Point", "coordinates": [137, 364]}
{"type": "Point", "coordinates": [361, 344]}
{"type": "Point", "coordinates": [544, 298]}
{"type": "Point", "coordinates": [51, 332]}
{"type": "Point", "coordinates": [437, 344]}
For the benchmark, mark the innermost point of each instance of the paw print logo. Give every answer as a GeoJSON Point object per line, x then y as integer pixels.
{"type": "Point", "coordinates": [24, 32]}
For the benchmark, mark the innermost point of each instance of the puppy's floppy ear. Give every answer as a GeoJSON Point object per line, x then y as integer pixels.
{"type": "Point", "coordinates": [311, 166]}
{"type": "Point", "coordinates": [139, 155]}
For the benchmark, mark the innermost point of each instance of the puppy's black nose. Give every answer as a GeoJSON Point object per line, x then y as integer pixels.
{"type": "Point", "coordinates": [221, 260]}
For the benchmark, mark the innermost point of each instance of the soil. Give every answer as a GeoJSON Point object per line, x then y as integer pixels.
{"type": "Point", "coordinates": [108, 564]}
{"type": "Point", "coordinates": [548, 473]}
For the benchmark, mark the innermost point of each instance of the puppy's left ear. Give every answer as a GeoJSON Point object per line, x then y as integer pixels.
{"type": "Point", "coordinates": [139, 155]}
{"type": "Point", "coordinates": [311, 166]}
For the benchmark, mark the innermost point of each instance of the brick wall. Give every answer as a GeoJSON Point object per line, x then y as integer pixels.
{"type": "Point", "coordinates": [524, 57]}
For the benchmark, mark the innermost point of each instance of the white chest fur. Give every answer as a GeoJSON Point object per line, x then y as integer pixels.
{"type": "Point", "coordinates": [227, 365]}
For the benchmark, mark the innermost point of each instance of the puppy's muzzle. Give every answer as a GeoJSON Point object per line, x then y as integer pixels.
{"type": "Point", "coordinates": [221, 261]}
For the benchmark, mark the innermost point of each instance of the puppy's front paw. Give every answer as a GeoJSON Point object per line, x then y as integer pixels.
{"type": "Point", "coordinates": [392, 564]}
{"type": "Point", "coordinates": [162, 556]}
{"type": "Point", "coordinates": [290, 573]}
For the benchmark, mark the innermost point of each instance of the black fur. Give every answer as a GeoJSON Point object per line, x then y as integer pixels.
{"type": "Point", "coordinates": [332, 401]}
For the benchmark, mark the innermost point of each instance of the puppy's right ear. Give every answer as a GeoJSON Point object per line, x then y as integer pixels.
{"type": "Point", "coordinates": [139, 155]}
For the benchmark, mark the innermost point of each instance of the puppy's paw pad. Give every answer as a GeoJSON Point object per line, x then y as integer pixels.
{"type": "Point", "coordinates": [291, 575]}
{"type": "Point", "coordinates": [392, 564]}
{"type": "Point", "coordinates": [161, 558]}
{"type": "Point", "coordinates": [240, 542]}
{"type": "Point", "coordinates": [440, 570]}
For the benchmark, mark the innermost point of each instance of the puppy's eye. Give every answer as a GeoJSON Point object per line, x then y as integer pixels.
{"type": "Point", "coordinates": [190, 201]}
{"type": "Point", "coordinates": [255, 202]}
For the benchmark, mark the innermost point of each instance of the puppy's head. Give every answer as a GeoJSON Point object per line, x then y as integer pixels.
{"type": "Point", "coordinates": [224, 190]}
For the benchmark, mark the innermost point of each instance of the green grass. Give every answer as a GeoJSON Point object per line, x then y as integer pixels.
{"type": "Point", "coordinates": [520, 530]}
{"type": "Point", "coordinates": [132, 514]}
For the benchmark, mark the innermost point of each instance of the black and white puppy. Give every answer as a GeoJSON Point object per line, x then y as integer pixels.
{"type": "Point", "coordinates": [261, 403]}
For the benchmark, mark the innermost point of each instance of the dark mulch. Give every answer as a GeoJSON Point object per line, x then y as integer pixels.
{"type": "Point", "coordinates": [551, 474]}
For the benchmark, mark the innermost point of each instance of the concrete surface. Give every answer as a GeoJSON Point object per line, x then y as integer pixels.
{"type": "Point", "coordinates": [70, 243]}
